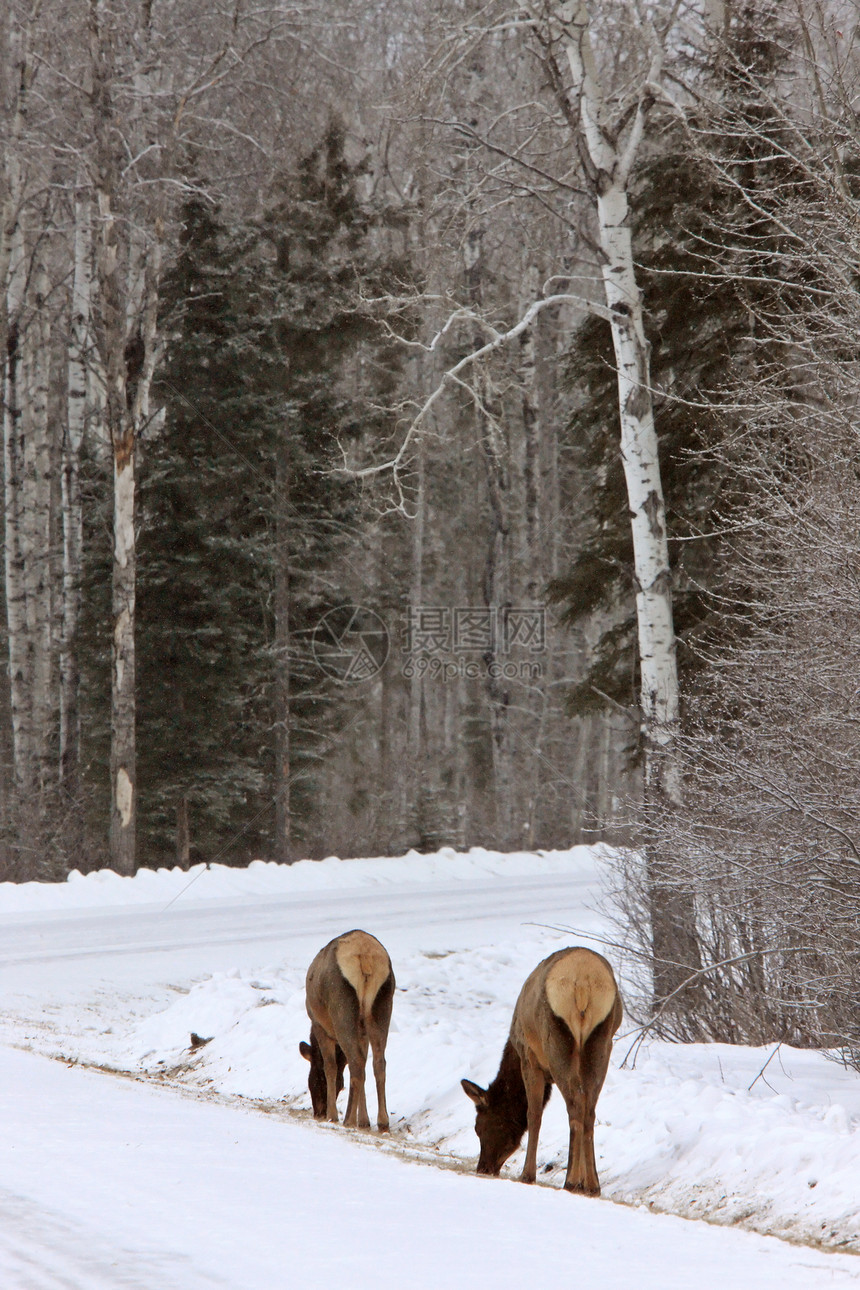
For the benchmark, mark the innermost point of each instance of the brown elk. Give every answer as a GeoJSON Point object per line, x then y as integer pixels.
{"type": "Point", "coordinates": [561, 1033]}
{"type": "Point", "coordinates": [350, 990]}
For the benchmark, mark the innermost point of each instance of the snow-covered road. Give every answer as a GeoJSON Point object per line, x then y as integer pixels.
{"type": "Point", "coordinates": [305, 919]}
{"type": "Point", "coordinates": [173, 1181]}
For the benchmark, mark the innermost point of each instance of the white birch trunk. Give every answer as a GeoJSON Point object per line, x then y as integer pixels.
{"type": "Point", "coordinates": [657, 661]}
{"type": "Point", "coordinates": [13, 284]}
{"type": "Point", "coordinates": [609, 166]}
{"type": "Point", "coordinates": [532, 438]}
{"type": "Point", "coordinates": [123, 746]}
{"type": "Point", "coordinates": [607, 155]}
{"type": "Point", "coordinates": [38, 467]}
{"type": "Point", "coordinates": [13, 450]}
{"type": "Point", "coordinates": [112, 343]}
{"type": "Point", "coordinates": [128, 275]}
{"type": "Point", "coordinates": [76, 420]}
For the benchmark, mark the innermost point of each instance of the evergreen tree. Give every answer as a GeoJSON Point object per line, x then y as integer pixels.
{"type": "Point", "coordinates": [242, 507]}
{"type": "Point", "coordinates": [205, 558]}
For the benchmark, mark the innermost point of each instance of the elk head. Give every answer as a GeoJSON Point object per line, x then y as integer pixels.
{"type": "Point", "coordinates": [316, 1075]}
{"type": "Point", "coordinates": [501, 1116]}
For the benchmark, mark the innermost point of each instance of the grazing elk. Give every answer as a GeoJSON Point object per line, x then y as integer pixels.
{"type": "Point", "coordinates": [561, 1033]}
{"type": "Point", "coordinates": [350, 990]}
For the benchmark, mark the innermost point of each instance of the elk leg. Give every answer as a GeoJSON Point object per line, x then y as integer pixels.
{"type": "Point", "coordinates": [356, 1107]}
{"type": "Point", "coordinates": [328, 1048]}
{"type": "Point", "coordinates": [378, 1045]}
{"type": "Point", "coordinates": [595, 1065]}
{"type": "Point", "coordinates": [592, 1182]}
{"type": "Point", "coordinates": [576, 1168]}
{"type": "Point", "coordinates": [377, 1029]}
{"type": "Point", "coordinates": [535, 1084]}
{"type": "Point", "coordinates": [576, 1099]}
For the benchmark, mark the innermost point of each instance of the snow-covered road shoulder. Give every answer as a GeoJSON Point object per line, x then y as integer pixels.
{"type": "Point", "coordinates": [114, 1186]}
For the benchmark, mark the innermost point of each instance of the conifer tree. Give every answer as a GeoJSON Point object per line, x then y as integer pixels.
{"type": "Point", "coordinates": [205, 557]}
{"type": "Point", "coordinates": [245, 518]}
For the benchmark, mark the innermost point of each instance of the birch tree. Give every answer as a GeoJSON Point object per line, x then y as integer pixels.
{"type": "Point", "coordinates": [28, 318]}
{"type": "Point", "coordinates": [121, 341]}
{"type": "Point", "coordinates": [608, 138]}
{"type": "Point", "coordinates": [13, 275]}
{"type": "Point", "coordinates": [16, 602]}
{"type": "Point", "coordinates": [608, 144]}
{"type": "Point", "coordinates": [78, 391]}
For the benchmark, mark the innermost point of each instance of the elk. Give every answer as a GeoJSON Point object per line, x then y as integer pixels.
{"type": "Point", "coordinates": [561, 1033]}
{"type": "Point", "coordinates": [349, 993]}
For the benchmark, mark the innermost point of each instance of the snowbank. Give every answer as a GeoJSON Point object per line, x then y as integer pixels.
{"type": "Point", "coordinates": [691, 1129]}
{"type": "Point", "coordinates": [106, 889]}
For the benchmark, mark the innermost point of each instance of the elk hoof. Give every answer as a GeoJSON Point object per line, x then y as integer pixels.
{"type": "Point", "coordinates": [581, 1189]}
{"type": "Point", "coordinates": [527, 1177]}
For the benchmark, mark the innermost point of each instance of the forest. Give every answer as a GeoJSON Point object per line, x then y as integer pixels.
{"type": "Point", "coordinates": [436, 426]}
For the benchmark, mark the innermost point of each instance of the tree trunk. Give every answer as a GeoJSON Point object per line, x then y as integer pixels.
{"type": "Point", "coordinates": [123, 761]}
{"type": "Point", "coordinates": [607, 162]}
{"type": "Point", "coordinates": [13, 282]}
{"type": "Point", "coordinates": [413, 783]}
{"type": "Point", "coordinates": [76, 418]}
{"type": "Point", "coordinates": [659, 673]}
{"type": "Point", "coordinates": [112, 338]}
{"type": "Point", "coordinates": [497, 599]}
{"type": "Point", "coordinates": [608, 167]}
{"type": "Point", "coordinates": [20, 678]}
{"type": "Point", "coordinates": [496, 576]}
{"type": "Point", "coordinates": [183, 833]}
{"type": "Point", "coordinates": [283, 829]}
{"type": "Point", "coordinates": [128, 271]}
{"type": "Point", "coordinates": [532, 755]}
{"type": "Point", "coordinates": [38, 499]}
{"type": "Point", "coordinates": [532, 440]}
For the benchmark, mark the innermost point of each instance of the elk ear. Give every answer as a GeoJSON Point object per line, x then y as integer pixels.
{"type": "Point", "coordinates": [475, 1092]}
{"type": "Point", "coordinates": [305, 1050]}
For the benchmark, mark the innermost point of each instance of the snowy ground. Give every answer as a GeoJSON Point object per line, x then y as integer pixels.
{"type": "Point", "coordinates": [108, 1182]}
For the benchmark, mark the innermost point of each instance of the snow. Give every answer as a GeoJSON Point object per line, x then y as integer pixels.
{"type": "Point", "coordinates": [200, 1195]}
{"type": "Point", "coordinates": [261, 878]}
{"type": "Point", "coordinates": [205, 1168]}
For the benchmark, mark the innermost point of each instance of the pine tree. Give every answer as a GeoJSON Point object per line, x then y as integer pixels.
{"type": "Point", "coordinates": [204, 559]}
{"type": "Point", "coordinates": [245, 518]}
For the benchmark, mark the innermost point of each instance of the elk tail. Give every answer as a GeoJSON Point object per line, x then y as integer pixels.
{"type": "Point", "coordinates": [581, 993]}
{"type": "Point", "coordinates": [367, 981]}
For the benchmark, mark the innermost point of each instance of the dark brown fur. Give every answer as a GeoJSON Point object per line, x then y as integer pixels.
{"type": "Point", "coordinates": [348, 1016]}
{"type": "Point", "coordinates": [544, 1049]}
